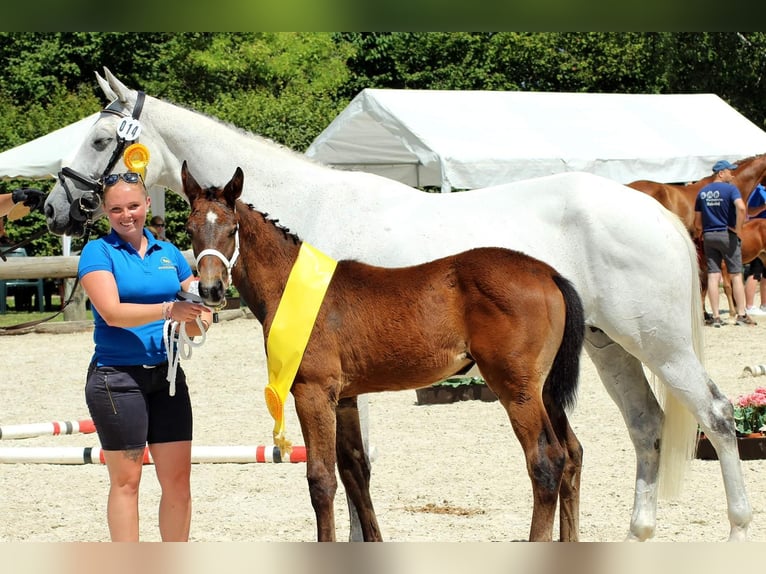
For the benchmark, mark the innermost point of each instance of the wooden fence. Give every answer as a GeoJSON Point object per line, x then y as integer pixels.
{"type": "Point", "coordinates": [56, 267]}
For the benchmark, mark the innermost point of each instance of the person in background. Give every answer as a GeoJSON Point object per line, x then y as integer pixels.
{"type": "Point", "coordinates": [131, 280]}
{"type": "Point", "coordinates": [157, 227]}
{"type": "Point", "coordinates": [754, 271]}
{"type": "Point", "coordinates": [31, 198]}
{"type": "Point", "coordinates": [720, 213]}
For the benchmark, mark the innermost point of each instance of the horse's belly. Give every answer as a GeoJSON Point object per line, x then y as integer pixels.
{"type": "Point", "coordinates": [401, 372]}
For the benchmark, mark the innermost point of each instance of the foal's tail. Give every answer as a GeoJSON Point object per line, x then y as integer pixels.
{"type": "Point", "coordinates": [565, 372]}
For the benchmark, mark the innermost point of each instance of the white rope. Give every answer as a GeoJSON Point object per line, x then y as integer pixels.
{"type": "Point", "coordinates": [179, 344]}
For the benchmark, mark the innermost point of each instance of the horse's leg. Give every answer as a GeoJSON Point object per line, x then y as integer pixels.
{"type": "Point", "coordinates": [545, 457]}
{"type": "Point", "coordinates": [569, 492]}
{"type": "Point", "coordinates": [317, 418]}
{"type": "Point", "coordinates": [714, 414]}
{"type": "Point", "coordinates": [623, 377]}
{"type": "Point", "coordinates": [702, 264]}
{"type": "Point", "coordinates": [685, 377]}
{"type": "Point", "coordinates": [354, 467]}
{"type": "Point", "coordinates": [727, 289]}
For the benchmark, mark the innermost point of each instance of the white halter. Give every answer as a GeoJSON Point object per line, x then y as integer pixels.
{"type": "Point", "coordinates": [234, 256]}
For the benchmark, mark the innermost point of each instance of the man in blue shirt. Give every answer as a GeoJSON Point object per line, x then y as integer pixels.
{"type": "Point", "coordinates": [720, 212]}
{"type": "Point", "coordinates": [754, 270]}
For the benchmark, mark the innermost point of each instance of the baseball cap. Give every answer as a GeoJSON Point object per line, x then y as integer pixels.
{"type": "Point", "coordinates": [722, 165]}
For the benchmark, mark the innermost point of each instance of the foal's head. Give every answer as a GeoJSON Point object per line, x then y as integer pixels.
{"type": "Point", "coordinates": [213, 228]}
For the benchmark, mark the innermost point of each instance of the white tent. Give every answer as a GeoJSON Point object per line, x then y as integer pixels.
{"type": "Point", "coordinates": [44, 157]}
{"type": "Point", "coordinates": [471, 139]}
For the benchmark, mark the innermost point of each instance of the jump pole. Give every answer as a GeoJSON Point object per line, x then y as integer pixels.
{"type": "Point", "coordinates": [200, 454]}
{"type": "Point", "coordinates": [50, 428]}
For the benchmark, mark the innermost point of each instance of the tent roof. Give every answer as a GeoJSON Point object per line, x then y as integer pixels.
{"type": "Point", "coordinates": [471, 139]}
{"type": "Point", "coordinates": [44, 157]}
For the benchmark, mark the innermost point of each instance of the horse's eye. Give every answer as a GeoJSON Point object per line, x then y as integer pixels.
{"type": "Point", "coordinates": [101, 143]}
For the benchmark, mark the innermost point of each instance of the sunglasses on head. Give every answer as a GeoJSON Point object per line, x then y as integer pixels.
{"type": "Point", "coordinates": [127, 177]}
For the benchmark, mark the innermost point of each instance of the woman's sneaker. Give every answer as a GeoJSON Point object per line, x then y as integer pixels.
{"type": "Point", "coordinates": [744, 320]}
{"type": "Point", "coordinates": [758, 311]}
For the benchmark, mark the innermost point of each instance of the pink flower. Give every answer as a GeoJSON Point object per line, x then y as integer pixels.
{"type": "Point", "coordinates": [755, 399]}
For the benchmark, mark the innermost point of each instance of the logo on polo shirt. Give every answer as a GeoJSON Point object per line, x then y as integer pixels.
{"type": "Point", "coordinates": [166, 263]}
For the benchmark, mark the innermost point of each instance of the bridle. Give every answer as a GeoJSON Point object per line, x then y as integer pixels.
{"type": "Point", "coordinates": [88, 203]}
{"type": "Point", "coordinates": [229, 263]}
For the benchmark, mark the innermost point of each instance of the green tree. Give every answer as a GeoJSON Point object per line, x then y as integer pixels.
{"type": "Point", "coordinates": [290, 86]}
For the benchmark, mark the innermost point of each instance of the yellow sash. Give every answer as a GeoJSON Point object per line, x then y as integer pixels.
{"type": "Point", "coordinates": [291, 329]}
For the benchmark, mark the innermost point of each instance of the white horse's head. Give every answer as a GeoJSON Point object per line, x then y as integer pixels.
{"type": "Point", "coordinates": [75, 200]}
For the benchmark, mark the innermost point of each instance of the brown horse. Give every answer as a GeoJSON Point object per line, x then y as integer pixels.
{"type": "Point", "coordinates": [753, 236]}
{"type": "Point", "coordinates": [680, 199]}
{"type": "Point", "coordinates": [513, 316]}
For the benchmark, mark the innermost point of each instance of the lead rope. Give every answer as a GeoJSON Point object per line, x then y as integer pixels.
{"type": "Point", "coordinates": [178, 345]}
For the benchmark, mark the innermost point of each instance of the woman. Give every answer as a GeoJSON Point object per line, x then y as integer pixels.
{"type": "Point", "coordinates": [131, 280]}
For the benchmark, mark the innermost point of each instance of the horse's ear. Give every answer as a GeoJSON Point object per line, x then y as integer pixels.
{"type": "Point", "coordinates": [191, 187]}
{"type": "Point", "coordinates": [120, 90]}
{"type": "Point", "coordinates": [106, 88]}
{"type": "Point", "coordinates": [233, 189]}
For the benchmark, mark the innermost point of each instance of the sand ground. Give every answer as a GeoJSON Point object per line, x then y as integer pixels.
{"type": "Point", "coordinates": [443, 473]}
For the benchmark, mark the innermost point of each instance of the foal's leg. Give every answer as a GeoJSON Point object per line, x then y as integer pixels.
{"type": "Point", "coordinates": [545, 457]}
{"type": "Point", "coordinates": [354, 467]}
{"type": "Point", "coordinates": [317, 418]}
{"type": "Point", "coordinates": [569, 493]}
{"type": "Point", "coordinates": [623, 377]}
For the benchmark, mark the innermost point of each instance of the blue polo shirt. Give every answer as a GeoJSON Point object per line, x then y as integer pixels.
{"type": "Point", "coordinates": [716, 203]}
{"type": "Point", "coordinates": [154, 279]}
{"type": "Point", "coordinates": [757, 198]}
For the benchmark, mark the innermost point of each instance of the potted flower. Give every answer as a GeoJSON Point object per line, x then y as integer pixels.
{"type": "Point", "coordinates": [750, 424]}
{"type": "Point", "coordinates": [750, 412]}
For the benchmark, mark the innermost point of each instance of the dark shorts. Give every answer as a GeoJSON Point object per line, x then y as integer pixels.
{"type": "Point", "coordinates": [131, 406]}
{"type": "Point", "coordinates": [722, 246]}
{"type": "Point", "coordinates": [754, 269]}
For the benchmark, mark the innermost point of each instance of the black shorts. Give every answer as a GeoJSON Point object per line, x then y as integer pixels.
{"type": "Point", "coordinates": [131, 406]}
{"type": "Point", "coordinates": [754, 268]}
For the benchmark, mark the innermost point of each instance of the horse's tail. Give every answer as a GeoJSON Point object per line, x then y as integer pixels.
{"type": "Point", "coordinates": [679, 429]}
{"type": "Point", "coordinates": [565, 372]}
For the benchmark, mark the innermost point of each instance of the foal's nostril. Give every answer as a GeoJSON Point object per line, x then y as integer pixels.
{"type": "Point", "coordinates": [212, 293]}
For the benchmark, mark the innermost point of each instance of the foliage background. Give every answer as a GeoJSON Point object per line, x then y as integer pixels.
{"type": "Point", "coordinates": [288, 86]}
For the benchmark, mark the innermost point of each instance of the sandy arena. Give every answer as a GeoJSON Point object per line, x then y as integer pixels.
{"type": "Point", "coordinates": [444, 473]}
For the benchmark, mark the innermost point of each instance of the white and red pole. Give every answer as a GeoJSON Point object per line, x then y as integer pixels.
{"type": "Point", "coordinates": [51, 428]}
{"type": "Point", "coordinates": [200, 454]}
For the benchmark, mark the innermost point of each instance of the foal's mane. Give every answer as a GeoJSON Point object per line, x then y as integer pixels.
{"type": "Point", "coordinates": [286, 233]}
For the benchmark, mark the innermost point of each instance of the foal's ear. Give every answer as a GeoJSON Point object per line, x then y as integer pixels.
{"type": "Point", "coordinates": [233, 189]}
{"type": "Point", "coordinates": [191, 187]}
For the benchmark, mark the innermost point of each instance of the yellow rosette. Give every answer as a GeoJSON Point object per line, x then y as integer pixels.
{"type": "Point", "coordinates": [136, 158]}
